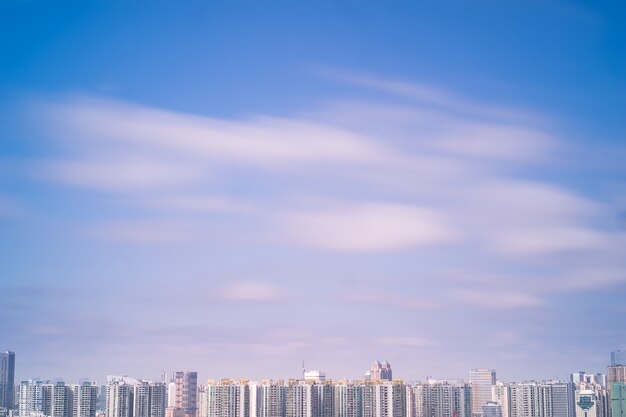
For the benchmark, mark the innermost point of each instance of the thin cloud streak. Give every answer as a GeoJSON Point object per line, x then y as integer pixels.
{"type": "Point", "coordinates": [251, 291]}
{"type": "Point", "coordinates": [366, 227]}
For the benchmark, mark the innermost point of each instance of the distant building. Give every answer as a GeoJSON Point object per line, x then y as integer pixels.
{"type": "Point", "coordinates": [588, 378]}
{"type": "Point", "coordinates": [384, 399]}
{"type": "Point", "coordinates": [149, 399]}
{"type": "Point", "coordinates": [314, 376]}
{"type": "Point", "coordinates": [84, 399]}
{"type": "Point", "coordinates": [119, 401]}
{"type": "Point", "coordinates": [270, 399]}
{"type": "Point", "coordinates": [379, 372]}
{"type": "Point", "coordinates": [7, 380]}
{"type": "Point", "coordinates": [442, 399]}
{"type": "Point", "coordinates": [348, 399]}
{"type": "Point", "coordinates": [31, 398]}
{"type": "Point", "coordinates": [481, 380]}
{"type": "Point", "coordinates": [492, 409]}
{"type": "Point", "coordinates": [618, 357]}
{"type": "Point", "coordinates": [562, 398]}
{"type": "Point", "coordinates": [587, 404]}
{"type": "Point", "coordinates": [615, 373]}
{"type": "Point", "coordinates": [57, 400]}
{"type": "Point", "coordinates": [501, 395]}
{"type": "Point", "coordinates": [226, 398]}
{"type": "Point", "coordinates": [186, 401]}
{"type": "Point", "coordinates": [618, 399]}
{"type": "Point", "coordinates": [542, 399]}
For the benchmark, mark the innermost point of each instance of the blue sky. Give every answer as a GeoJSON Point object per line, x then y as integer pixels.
{"type": "Point", "coordinates": [235, 188]}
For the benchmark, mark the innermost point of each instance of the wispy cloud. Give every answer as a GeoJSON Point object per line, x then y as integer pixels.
{"type": "Point", "coordinates": [437, 172]}
{"type": "Point", "coordinates": [251, 291]}
{"type": "Point", "coordinates": [499, 300]}
{"type": "Point", "coordinates": [366, 227]}
{"type": "Point", "coordinates": [429, 95]}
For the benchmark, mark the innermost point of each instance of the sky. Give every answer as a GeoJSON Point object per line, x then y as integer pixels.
{"type": "Point", "coordinates": [237, 187]}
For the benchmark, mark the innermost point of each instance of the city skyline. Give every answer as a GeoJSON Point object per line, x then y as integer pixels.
{"type": "Point", "coordinates": [377, 395]}
{"type": "Point", "coordinates": [235, 188]}
{"type": "Point", "coordinates": [612, 372]}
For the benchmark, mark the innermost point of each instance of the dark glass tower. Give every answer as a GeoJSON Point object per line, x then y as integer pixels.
{"type": "Point", "coordinates": [7, 379]}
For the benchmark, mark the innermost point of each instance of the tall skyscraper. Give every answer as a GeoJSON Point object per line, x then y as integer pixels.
{"type": "Point", "coordinates": [348, 399]}
{"type": "Point", "coordinates": [84, 399]}
{"type": "Point", "coordinates": [7, 379]}
{"type": "Point", "coordinates": [119, 397]}
{"type": "Point", "coordinates": [481, 381]}
{"type": "Point", "coordinates": [31, 398]}
{"type": "Point", "coordinates": [618, 357]}
{"type": "Point", "coordinates": [186, 394]}
{"type": "Point", "coordinates": [618, 399]}
{"type": "Point", "coordinates": [270, 399]}
{"type": "Point", "coordinates": [57, 400]}
{"type": "Point", "coordinates": [562, 397]}
{"type": "Point", "coordinates": [380, 372]}
{"type": "Point", "coordinates": [615, 373]}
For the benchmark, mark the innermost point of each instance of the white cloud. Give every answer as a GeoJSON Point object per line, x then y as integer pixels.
{"type": "Point", "coordinates": [120, 173]}
{"type": "Point", "coordinates": [434, 97]}
{"type": "Point", "coordinates": [198, 203]}
{"type": "Point", "coordinates": [260, 141]}
{"type": "Point", "coordinates": [366, 227]}
{"type": "Point", "coordinates": [251, 291]}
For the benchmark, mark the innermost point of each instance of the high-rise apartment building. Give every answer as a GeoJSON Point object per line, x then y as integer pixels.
{"type": "Point", "coordinates": [390, 398]}
{"type": "Point", "coordinates": [615, 373]}
{"type": "Point", "coordinates": [31, 398]}
{"type": "Point", "coordinates": [226, 398]}
{"type": "Point", "coordinates": [57, 400]}
{"type": "Point", "coordinates": [501, 395]}
{"type": "Point", "coordinates": [384, 399]}
{"type": "Point", "coordinates": [481, 381]}
{"type": "Point", "coordinates": [618, 399]}
{"type": "Point", "coordinates": [542, 399]}
{"type": "Point", "coordinates": [149, 399]}
{"type": "Point", "coordinates": [119, 401]}
{"type": "Point", "coordinates": [7, 380]}
{"type": "Point", "coordinates": [442, 399]}
{"type": "Point", "coordinates": [348, 399]}
{"type": "Point", "coordinates": [270, 399]}
{"type": "Point", "coordinates": [562, 397]}
{"type": "Point", "coordinates": [84, 399]}
{"type": "Point", "coordinates": [38, 399]}
{"type": "Point", "coordinates": [298, 400]}
{"type": "Point", "coordinates": [186, 400]}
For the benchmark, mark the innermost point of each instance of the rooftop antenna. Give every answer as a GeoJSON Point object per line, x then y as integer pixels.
{"type": "Point", "coordinates": [303, 370]}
